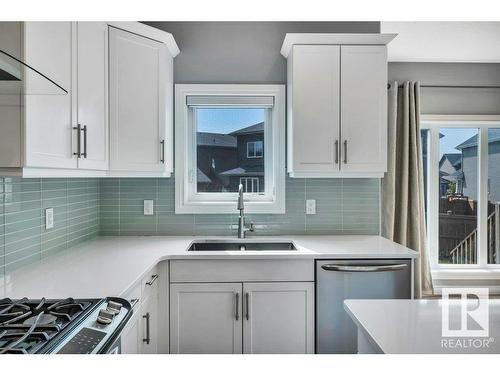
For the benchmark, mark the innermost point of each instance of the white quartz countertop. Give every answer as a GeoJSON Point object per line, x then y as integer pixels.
{"type": "Point", "coordinates": [414, 327]}
{"type": "Point", "coordinates": [110, 266]}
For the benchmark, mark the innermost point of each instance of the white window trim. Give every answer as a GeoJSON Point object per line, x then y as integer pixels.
{"type": "Point", "coordinates": [255, 156]}
{"type": "Point", "coordinates": [482, 270]}
{"type": "Point", "coordinates": [188, 201]}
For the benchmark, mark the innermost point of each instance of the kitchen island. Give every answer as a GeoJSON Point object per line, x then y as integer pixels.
{"type": "Point", "coordinates": [414, 327]}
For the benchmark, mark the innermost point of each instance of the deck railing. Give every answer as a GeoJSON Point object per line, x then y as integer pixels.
{"type": "Point", "coordinates": [466, 250]}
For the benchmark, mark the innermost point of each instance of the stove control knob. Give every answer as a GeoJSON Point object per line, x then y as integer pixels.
{"type": "Point", "coordinates": [105, 316]}
{"type": "Point", "coordinates": [114, 307]}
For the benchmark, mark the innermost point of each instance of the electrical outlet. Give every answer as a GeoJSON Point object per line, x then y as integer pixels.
{"type": "Point", "coordinates": [311, 206]}
{"type": "Point", "coordinates": [148, 207]}
{"type": "Point", "coordinates": [49, 218]}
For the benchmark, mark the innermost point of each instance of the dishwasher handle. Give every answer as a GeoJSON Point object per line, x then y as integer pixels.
{"type": "Point", "coordinates": [364, 267]}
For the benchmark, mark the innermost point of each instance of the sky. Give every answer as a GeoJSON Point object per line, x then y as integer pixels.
{"type": "Point", "coordinates": [452, 138]}
{"type": "Point", "coordinates": [224, 121]}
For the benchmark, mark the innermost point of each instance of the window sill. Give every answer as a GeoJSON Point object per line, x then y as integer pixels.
{"type": "Point", "coordinates": [492, 273]}
{"type": "Point", "coordinates": [277, 207]}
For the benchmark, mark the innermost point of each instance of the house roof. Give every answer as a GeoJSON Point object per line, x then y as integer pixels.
{"type": "Point", "coordinates": [256, 170]}
{"type": "Point", "coordinates": [493, 136]}
{"type": "Point", "coordinates": [455, 159]}
{"type": "Point", "coordinates": [216, 139]}
{"type": "Point", "coordinates": [202, 177]}
{"type": "Point", "coordinates": [256, 128]}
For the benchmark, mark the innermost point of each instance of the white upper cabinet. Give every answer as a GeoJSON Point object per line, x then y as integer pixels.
{"type": "Point", "coordinates": [47, 118]}
{"type": "Point", "coordinates": [141, 99]}
{"type": "Point", "coordinates": [92, 94]}
{"type": "Point", "coordinates": [313, 125]}
{"type": "Point", "coordinates": [337, 104]}
{"type": "Point", "coordinates": [363, 109]}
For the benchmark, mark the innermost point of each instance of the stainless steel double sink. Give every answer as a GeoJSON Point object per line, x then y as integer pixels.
{"type": "Point", "coordinates": [240, 245]}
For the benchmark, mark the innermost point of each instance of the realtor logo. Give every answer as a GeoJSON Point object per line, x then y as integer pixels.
{"type": "Point", "coordinates": [470, 317]}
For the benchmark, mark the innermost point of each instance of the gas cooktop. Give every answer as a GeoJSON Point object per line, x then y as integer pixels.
{"type": "Point", "coordinates": [61, 326]}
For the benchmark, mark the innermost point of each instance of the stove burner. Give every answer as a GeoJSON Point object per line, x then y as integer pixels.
{"type": "Point", "coordinates": [44, 319]}
{"type": "Point", "coordinates": [26, 326]}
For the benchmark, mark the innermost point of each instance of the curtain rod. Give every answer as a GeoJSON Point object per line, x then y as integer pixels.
{"type": "Point", "coordinates": [455, 86]}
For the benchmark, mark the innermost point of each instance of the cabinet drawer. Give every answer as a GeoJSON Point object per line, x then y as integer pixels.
{"type": "Point", "coordinates": [149, 283]}
{"type": "Point", "coordinates": [232, 270]}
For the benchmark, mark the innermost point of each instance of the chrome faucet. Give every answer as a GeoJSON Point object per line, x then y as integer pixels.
{"type": "Point", "coordinates": [242, 229]}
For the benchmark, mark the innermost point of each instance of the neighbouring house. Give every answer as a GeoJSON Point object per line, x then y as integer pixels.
{"type": "Point", "coordinates": [450, 171]}
{"type": "Point", "coordinates": [216, 153]}
{"type": "Point", "coordinates": [227, 160]}
{"type": "Point", "coordinates": [250, 160]}
{"type": "Point", "coordinates": [469, 177]}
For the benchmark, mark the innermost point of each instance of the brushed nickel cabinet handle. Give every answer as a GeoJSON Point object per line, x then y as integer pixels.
{"type": "Point", "coordinates": [345, 151]}
{"type": "Point", "coordinates": [153, 279]}
{"type": "Point", "coordinates": [247, 307]}
{"type": "Point", "coordinates": [162, 158]}
{"type": "Point", "coordinates": [78, 152]}
{"type": "Point", "coordinates": [147, 340]}
{"type": "Point", "coordinates": [337, 151]}
{"type": "Point", "coordinates": [84, 153]}
{"type": "Point", "coordinates": [237, 307]}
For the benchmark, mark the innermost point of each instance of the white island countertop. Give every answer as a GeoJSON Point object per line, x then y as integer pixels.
{"type": "Point", "coordinates": [110, 266]}
{"type": "Point", "coordinates": [414, 327]}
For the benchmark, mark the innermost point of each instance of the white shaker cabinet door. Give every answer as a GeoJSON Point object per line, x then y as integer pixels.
{"type": "Point", "coordinates": [139, 69]}
{"type": "Point", "coordinates": [92, 89]}
{"type": "Point", "coordinates": [364, 109]}
{"type": "Point", "coordinates": [205, 318]}
{"type": "Point", "coordinates": [49, 130]}
{"type": "Point", "coordinates": [313, 110]}
{"type": "Point", "coordinates": [278, 318]}
{"type": "Point", "coordinates": [129, 339]}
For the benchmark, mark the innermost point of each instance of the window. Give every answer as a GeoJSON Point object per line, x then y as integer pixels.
{"type": "Point", "coordinates": [254, 149]}
{"type": "Point", "coordinates": [250, 184]}
{"type": "Point", "coordinates": [227, 135]}
{"type": "Point", "coordinates": [461, 156]}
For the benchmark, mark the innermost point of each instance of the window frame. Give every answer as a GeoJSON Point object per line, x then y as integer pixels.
{"type": "Point", "coordinates": [255, 154]}
{"type": "Point", "coordinates": [432, 123]}
{"type": "Point", "coordinates": [187, 199]}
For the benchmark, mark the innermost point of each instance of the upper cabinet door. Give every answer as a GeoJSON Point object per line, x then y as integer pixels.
{"type": "Point", "coordinates": [92, 98]}
{"type": "Point", "coordinates": [48, 122]}
{"type": "Point", "coordinates": [139, 70]}
{"type": "Point", "coordinates": [313, 110]}
{"type": "Point", "coordinates": [278, 318]}
{"type": "Point", "coordinates": [364, 109]}
{"type": "Point", "coordinates": [205, 318]}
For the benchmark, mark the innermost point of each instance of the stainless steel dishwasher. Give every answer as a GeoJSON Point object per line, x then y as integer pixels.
{"type": "Point", "coordinates": [338, 280]}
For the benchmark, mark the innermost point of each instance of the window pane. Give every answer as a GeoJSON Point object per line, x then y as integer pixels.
{"type": "Point", "coordinates": [227, 143]}
{"type": "Point", "coordinates": [493, 222]}
{"type": "Point", "coordinates": [458, 195]}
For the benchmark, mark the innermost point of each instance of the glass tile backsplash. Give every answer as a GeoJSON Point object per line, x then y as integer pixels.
{"type": "Point", "coordinates": [83, 208]}
{"type": "Point", "coordinates": [23, 237]}
{"type": "Point", "coordinates": [343, 206]}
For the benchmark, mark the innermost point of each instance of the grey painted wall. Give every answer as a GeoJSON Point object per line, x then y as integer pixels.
{"type": "Point", "coordinates": [242, 52]}
{"type": "Point", "coordinates": [451, 100]}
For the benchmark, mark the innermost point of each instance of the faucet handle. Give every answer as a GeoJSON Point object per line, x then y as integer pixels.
{"type": "Point", "coordinates": [251, 227]}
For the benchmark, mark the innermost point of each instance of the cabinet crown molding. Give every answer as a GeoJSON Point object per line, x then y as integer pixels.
{"type": "Point", "coordinates": [333, 38]}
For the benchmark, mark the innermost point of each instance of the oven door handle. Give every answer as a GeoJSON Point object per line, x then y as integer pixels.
{"type": "Point", "coordinates": [364, 267]}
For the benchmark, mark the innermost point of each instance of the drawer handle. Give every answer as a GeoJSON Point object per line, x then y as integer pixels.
{"type": "Point", "coordinates": [153, 279]}
{"type": "Point", "coordinates": [364, 268]}
{"type": "Point", "coordinates": [133, 302]}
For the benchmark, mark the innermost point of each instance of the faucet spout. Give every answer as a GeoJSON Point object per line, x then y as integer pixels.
{"type": "Point", "coordinates": [242, 228]}
{"type": "Point", "coordinates": [240, 198]}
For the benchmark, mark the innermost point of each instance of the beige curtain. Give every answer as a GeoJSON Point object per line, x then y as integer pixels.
{"type": "Point", "coordinates": [403, 210]}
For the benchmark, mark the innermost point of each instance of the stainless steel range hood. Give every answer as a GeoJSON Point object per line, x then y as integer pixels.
{"type": "Point", "coordinates": [17, 77]}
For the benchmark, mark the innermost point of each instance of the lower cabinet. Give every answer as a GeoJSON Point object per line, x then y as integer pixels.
{"type": "Point", "coordinates": [274, 317]}
{"type": "Point", "coordinates": [130, 334]}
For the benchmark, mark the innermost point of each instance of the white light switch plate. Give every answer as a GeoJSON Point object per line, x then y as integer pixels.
{"type": "Point", "coordinates": [311, 206]}
{"type": "Point", "coordinates": [148, 207]}
{"type": "Point", "coordinates": [49, 218]}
